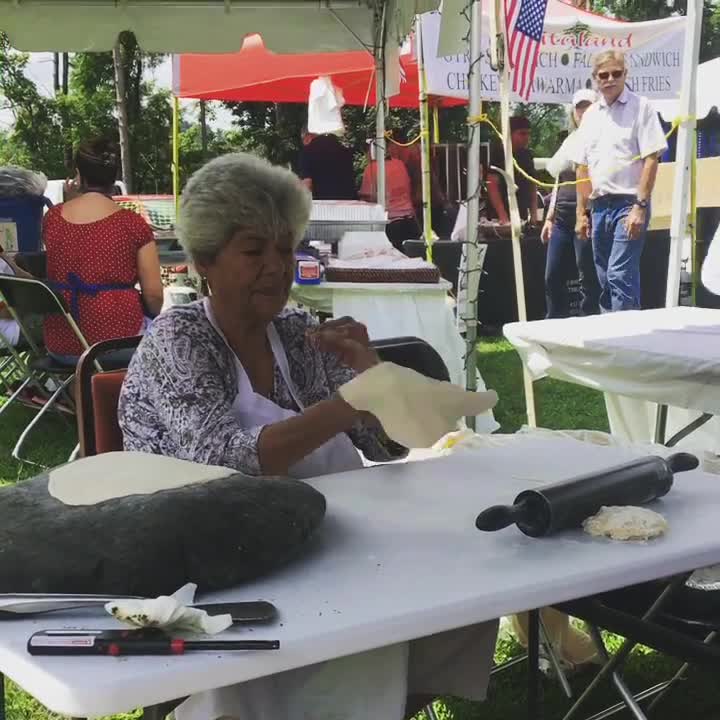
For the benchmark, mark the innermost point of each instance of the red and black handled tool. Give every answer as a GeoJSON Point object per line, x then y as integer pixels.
{"type": "Point", "coordinates": [131, 642]}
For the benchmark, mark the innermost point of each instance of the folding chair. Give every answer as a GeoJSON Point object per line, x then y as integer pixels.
{"type": "Point", "coordinates": [16, 379]}
{"type": "Point", "coordinates": [413, 353]}
{"type": "Point", "coordinates": [664, 615]}
{"type": "Point", "coordinates": [25, 297]}
{"type": "Point", "coordinates": [14, 376]}
{"type": "Point", "coordinates": [33, 262]}
{"type": "Point", "coordinates": [97, 394]}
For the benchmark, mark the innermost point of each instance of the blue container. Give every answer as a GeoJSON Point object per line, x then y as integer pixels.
{"type": "Point", "coordinates": [21, 222]}
{"type": "Point", "coordinates": [308, 270]}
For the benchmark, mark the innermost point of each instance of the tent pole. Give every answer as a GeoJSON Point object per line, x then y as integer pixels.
{"type": "Point", "coordinates": [683, 155]}
{"type": "Point", "coordinates": [515, 223]}
{"type": "Point", "coordinates": [176, 150]}
{"type": "Point", "coordinates": [472, 251]}
{"type": "Point", "coordinates": [694, 255]}
{"type": "Point", "coordinates": [380, 121]}
{"type": "Point", "coordinates": [424, 145]}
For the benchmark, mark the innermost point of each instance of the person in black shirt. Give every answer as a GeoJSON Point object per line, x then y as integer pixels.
{"type": "Point", "coordinates": [567, 254]}
{"type": "Point", "coordinates": [326, 168]}
{"type": "Point", "coordinates": [497, 207]}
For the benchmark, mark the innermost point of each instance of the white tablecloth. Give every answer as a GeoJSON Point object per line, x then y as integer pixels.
{"type": "Point", "coordinates": [418, 310]}
{"type": "Point", "coordinates": [638, 358]}
{"type": "Point", "coordinates": [398, 557]}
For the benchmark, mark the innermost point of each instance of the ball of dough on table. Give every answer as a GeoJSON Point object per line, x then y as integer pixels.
{"type": "Point", "coordinates": [626, 523]}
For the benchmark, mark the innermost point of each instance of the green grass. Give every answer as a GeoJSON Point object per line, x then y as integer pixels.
{"type": "Point", "coordinates": [50, 443]}
{"type": "Point", "coordinates": [559, 406]}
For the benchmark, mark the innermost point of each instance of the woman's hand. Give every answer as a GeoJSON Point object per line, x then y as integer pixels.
{"type": "Point", "coordinates": [346, 339]}
{"type": "Point", "coordinates": [545, 232]}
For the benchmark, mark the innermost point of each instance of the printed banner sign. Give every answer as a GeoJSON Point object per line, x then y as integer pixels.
{"type": "Point", "coordinates": [653, 53]}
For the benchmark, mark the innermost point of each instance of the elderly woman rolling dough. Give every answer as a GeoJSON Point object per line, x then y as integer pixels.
{"type": "Point", "coordinates": [239, 380]}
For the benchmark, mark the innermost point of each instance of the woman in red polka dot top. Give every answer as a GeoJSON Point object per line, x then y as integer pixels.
{"type": "Point", "coordinates": [97, 253]}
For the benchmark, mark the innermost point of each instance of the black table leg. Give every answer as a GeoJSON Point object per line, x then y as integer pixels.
{"type": "Point", "coordinates": [161, 711]}
{"type": "Point", "coordinates": [2, 697]}
{"type": "Point", "coordinates": [154, 713]}
{"type": "Point", "coordinates": [533, 689]}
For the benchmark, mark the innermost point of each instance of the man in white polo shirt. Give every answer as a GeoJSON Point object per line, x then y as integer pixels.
{"type": "Point", "coordinates": [618, 149]}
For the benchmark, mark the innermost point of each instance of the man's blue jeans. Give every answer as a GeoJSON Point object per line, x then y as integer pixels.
{"type": "Point", "coordinates": [566, 255]}
{"type": "Point", "coordinates": [617, 258]}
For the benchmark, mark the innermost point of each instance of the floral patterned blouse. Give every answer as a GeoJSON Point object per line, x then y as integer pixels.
{"type": "Point", "coordinates": [177, 396]}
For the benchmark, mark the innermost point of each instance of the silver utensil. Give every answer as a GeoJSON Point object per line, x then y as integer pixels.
{"type": "Point", "coordinates": [15, 606]}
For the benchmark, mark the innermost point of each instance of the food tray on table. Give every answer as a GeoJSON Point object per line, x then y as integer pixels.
{"type": "Point", "coordinates": [383, 275]}
{"type": "Point", "coordinates": [331, 219]}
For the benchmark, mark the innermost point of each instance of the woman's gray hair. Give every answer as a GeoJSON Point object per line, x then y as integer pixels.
{"type": "Point", "coordinates": [240, 192]}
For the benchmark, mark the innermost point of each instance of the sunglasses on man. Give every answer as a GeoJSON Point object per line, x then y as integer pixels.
{"type": "Point", "coordinates": [616, 74]}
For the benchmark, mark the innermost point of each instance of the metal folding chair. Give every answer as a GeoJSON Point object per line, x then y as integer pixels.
{"type": "Point", "coordinates": [33, 262]}
{"type": "Point", "coordinates": [14, 376]}
{"type": "Point", "coordinates": [25, 297]}
{"type": "Point", "coordinates": [661, 615]}
{"type": "Point", "coordinates": [413, 353]}
{"type": "Point", "coordinates": [97, 393]}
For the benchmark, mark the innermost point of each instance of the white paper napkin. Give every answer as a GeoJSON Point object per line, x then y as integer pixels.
{"type": "Point", "coordinates": [170, 613]}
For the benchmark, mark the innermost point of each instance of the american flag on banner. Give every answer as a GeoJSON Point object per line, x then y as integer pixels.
{"type": "Point", "coordinates": [524, 22]}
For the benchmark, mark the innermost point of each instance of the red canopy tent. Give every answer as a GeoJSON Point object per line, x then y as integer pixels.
{"type": "Point", "coordinates": [256, 74]}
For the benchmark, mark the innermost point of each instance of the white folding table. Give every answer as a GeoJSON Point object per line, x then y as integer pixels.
{"type": "Point", "coordinates": [641, 360]}
{"type": "Point", "coordinates": [397, 558]}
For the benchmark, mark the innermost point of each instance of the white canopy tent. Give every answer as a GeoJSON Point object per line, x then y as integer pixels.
{"type": "Point", "coordinates": [175, 26]}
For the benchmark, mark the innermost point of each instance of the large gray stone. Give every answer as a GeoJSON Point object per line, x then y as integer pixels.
{"type": "Point", "coordinates": [216, 534]}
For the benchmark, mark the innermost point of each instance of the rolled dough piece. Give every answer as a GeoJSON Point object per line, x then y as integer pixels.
{"type": "Point", "coordinates": [626, 523]}
{"type": "Point", "coordinates": [117, 474]}
{"type": "Point", "coordinates": [414, 410]}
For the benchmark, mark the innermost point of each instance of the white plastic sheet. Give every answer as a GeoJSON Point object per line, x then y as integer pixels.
{"type": "Point", "coordinates": [639, 358]}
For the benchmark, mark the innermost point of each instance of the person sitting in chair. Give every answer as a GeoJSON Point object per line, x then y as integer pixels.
{"type": "Point", "coordinates": [239, 380]}
{"type": "Point", "coordinates": [97, 252]}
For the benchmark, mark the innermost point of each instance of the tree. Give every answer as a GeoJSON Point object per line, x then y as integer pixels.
{"type": "Point", "coordinates": [271, 130]}
{"type": "Point", "coordinates": [95, 97]}
{"type": "Point", "coordinates": [36, 138]}
{"type": "Point", "coordinates": [193, 155]}
{"type": "Point", "coordinates": [120, 73]}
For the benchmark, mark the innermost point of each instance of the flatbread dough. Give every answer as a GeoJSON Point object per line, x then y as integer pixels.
{"type": "Point", "coordinates": [414, 410]}
{"type": "Point", "coordinates": [626, 523]}
{"type": "Point", "coordinates": [103, 477]}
